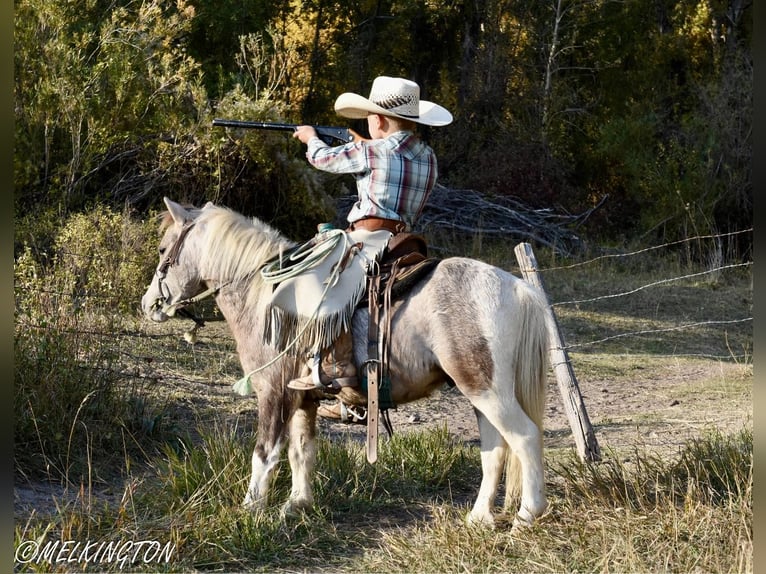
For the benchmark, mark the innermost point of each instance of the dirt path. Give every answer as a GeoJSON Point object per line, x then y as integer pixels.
{"type": "Point", "coordinates": [659, 408]}
{"type": "Point", "coordinates": [647, 402]}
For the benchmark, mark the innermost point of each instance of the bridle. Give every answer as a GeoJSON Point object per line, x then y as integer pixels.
{"type": "Point", "coordinates": [163, 301]}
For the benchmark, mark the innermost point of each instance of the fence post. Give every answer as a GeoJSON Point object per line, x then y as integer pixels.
{"type": "Point", "coordinates": [585, 438]}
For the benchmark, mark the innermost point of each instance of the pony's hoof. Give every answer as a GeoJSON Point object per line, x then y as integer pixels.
{"type": "Point", "coordinates": [481, 520]}
{"type": "Point", "coordinates": [293, 508]}
{"type": "Point", "coordinates": [522, 522]}
{"type": "Point", "coordinates": [252, 504]}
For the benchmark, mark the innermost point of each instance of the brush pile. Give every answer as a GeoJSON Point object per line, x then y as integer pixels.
{"type": "Point", "coordinates": [468, 212]}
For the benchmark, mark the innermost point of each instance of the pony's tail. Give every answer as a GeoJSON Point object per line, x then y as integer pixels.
{"type": "Point", "coordinates": [531, 363]}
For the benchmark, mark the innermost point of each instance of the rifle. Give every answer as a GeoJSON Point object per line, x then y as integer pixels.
{"type": "Point", "coordinates": [327, 134]}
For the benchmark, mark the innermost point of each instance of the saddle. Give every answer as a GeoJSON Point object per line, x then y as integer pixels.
{"type": "Point", "coordinates": [403, 264]}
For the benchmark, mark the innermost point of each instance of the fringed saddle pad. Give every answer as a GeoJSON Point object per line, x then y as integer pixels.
{"type": "Point", "coordinates": [308, 312]}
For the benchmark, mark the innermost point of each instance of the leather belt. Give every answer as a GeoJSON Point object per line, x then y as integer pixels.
{"type": "Point", "coordinates": [376, 223]}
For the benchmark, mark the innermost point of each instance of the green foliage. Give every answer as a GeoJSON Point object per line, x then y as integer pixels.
{"type": "Point", "coordinates": [206, 481]}
{"type": "Point", "coordinates": [91, 79]}
{"type": "Point", "coordinates": [651, 138]}
{"type": "Point", "coordinates": [717, 469]}
{"type": "Point", "coordinates": [261, 174]}
{"type": "Point", "coordinates": [111, 108]}
{"type": "Point", "coordinates": [643, 515]}
{"type": "Point", "coordinates": [215, 36]}
{"type": "Point", "coordinates": [558, 103]}
{"type": "Point", "coordinates": [72, 402]}
{"type": "Point", "coordinates": [429, 460]}
{"type": "Point", "coordinates": [94, 264]}
{"type": "Point", "coordinates": [205, 477]}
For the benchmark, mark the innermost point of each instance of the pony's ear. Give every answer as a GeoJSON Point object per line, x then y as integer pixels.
{"type": "Point", "coordinates": [177, 212]}
{"type": "Point", "coordinates": [208, 205]}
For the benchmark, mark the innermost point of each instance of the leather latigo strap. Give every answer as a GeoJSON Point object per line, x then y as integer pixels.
{"type": "Point", "coordinates": [373, 364]}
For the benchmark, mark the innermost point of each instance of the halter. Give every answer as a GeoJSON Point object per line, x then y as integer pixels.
{"type": "Point", "coordinates": [163, 301]}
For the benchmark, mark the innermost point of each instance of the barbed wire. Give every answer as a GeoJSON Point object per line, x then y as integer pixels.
{"type": "Point", "coordinates": [646, 249]}
{"type": "Point", "coordinates": [663, 330]}
{"type": "Point", "coordinates": [653, 284]}
{"type": "Point", "coordinates": [557, 304]}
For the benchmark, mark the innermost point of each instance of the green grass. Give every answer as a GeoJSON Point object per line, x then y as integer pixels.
{"type": "Point", "coordinates": [693, 512]}
{"type": "Point", "coordinates": [78, 414]}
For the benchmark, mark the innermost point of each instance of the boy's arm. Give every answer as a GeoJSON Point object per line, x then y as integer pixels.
{"type": "Point", "coordinates": [307, 133]}
{"type": "Point", "coordinates": [348, 158]}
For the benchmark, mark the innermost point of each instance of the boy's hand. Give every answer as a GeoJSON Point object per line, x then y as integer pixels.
{"type": "Point", "coordinates": [305, 133]}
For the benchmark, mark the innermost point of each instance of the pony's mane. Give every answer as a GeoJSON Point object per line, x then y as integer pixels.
{"type": "Point", "coordinates": [237, 246]}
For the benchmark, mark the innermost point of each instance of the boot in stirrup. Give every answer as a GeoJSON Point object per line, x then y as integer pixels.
{"type": "Point", "coordinates": [331, 373]}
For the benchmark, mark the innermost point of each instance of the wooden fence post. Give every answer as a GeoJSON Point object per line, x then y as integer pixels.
{"type": "Point", "coordinates": [585, 438]}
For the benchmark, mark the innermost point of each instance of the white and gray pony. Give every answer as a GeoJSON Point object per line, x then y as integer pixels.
{"type": "Point", "coordinates": [467, 322]}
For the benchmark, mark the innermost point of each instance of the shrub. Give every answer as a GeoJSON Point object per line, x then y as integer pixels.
{"type": "Point", "coordinates": [74, 406]}
{"type": "Point", "coordinates": [102, 259]}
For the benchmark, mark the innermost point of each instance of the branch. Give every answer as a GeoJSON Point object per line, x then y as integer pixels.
{"type": "Point", "coordinates": [470, 213]}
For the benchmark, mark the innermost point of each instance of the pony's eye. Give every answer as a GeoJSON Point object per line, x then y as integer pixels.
{"type": "Point", "coordinates": [162, 250]}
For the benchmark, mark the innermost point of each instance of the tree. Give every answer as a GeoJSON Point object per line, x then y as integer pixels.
{"type": "Point", "coordinates": [91, 83]}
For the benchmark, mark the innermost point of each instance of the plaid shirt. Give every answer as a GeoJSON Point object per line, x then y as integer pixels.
{"type": "Point", "coordinates": [394, 176]}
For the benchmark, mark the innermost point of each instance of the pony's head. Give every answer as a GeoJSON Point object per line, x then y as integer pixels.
{"type": "Point", "coordinates": [177, 276]}
{"type": "Point", "coordinates": [203, 250]}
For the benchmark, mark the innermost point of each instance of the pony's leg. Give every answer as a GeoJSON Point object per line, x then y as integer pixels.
{"type": "Point", "coordinates": [524, 438]}
{"type": "Point", "coordinates": [493, 456]}
{"type": "Point", "coordinates": [265, 458]}
{"type": "Point", "coordinates": [268, 447]}
{"type": "Point", "coordinates": [302, 456]}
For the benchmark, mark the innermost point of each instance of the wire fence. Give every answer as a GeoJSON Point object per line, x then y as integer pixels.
{"type": "Point", "coordinates": [732, 334]}
{"type": "Point", "coordinates": [706, 281]}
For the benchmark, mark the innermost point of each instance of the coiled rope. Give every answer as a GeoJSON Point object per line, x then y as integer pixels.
{"type": "Point", "coordinates": [304, 257]}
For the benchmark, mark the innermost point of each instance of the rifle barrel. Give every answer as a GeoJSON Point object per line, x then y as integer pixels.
{"type": "Point", "coordinates": [328, 134]}
{"type": "Point", "coordinates": [253, 125]}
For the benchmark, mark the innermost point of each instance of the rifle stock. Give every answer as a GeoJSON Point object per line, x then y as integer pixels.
{"type": "Point", "coordinates": [327, 134]}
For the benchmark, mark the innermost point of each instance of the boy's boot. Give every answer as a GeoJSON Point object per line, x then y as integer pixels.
{"type": "Point", "coordinates": [333, 371]}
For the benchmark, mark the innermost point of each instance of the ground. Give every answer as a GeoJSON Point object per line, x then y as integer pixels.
{"type": "Point", "coordinates": [658, 407]}
{"type": "Point", "coordinates": [645, 402]}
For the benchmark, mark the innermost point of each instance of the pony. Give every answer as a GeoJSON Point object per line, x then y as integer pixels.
{"type": "Point", "coordinates": [466, 323]}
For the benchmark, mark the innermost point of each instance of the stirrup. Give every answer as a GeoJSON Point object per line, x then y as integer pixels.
{"type": "Point", "coordinates": [302, 384]}
{"type": "Point", "coordinates": [352, 414]}
{"type": "Point", "coordinates": [318, 377]}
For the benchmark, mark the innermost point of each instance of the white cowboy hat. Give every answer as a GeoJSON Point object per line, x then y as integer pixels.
{"type": "Point", "coordinates": [396, 97]}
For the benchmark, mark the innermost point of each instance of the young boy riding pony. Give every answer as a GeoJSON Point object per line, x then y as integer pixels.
{"type": "Point", "coordinates": [395, 172]}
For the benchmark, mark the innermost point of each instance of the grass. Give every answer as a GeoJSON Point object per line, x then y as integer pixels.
{"type": "Point", "coordinates": [74, 405]}
{"type": "Point", "coordinates": [690, 513]}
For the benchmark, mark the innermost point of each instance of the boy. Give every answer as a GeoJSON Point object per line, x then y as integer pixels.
{"type": "Point", "coordinates": [395, 172]}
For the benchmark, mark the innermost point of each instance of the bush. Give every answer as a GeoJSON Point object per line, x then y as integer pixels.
{"type": "Point", "coordinates": [75, 408]}
{"type": "Point", "coordinates": [103, 260]}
